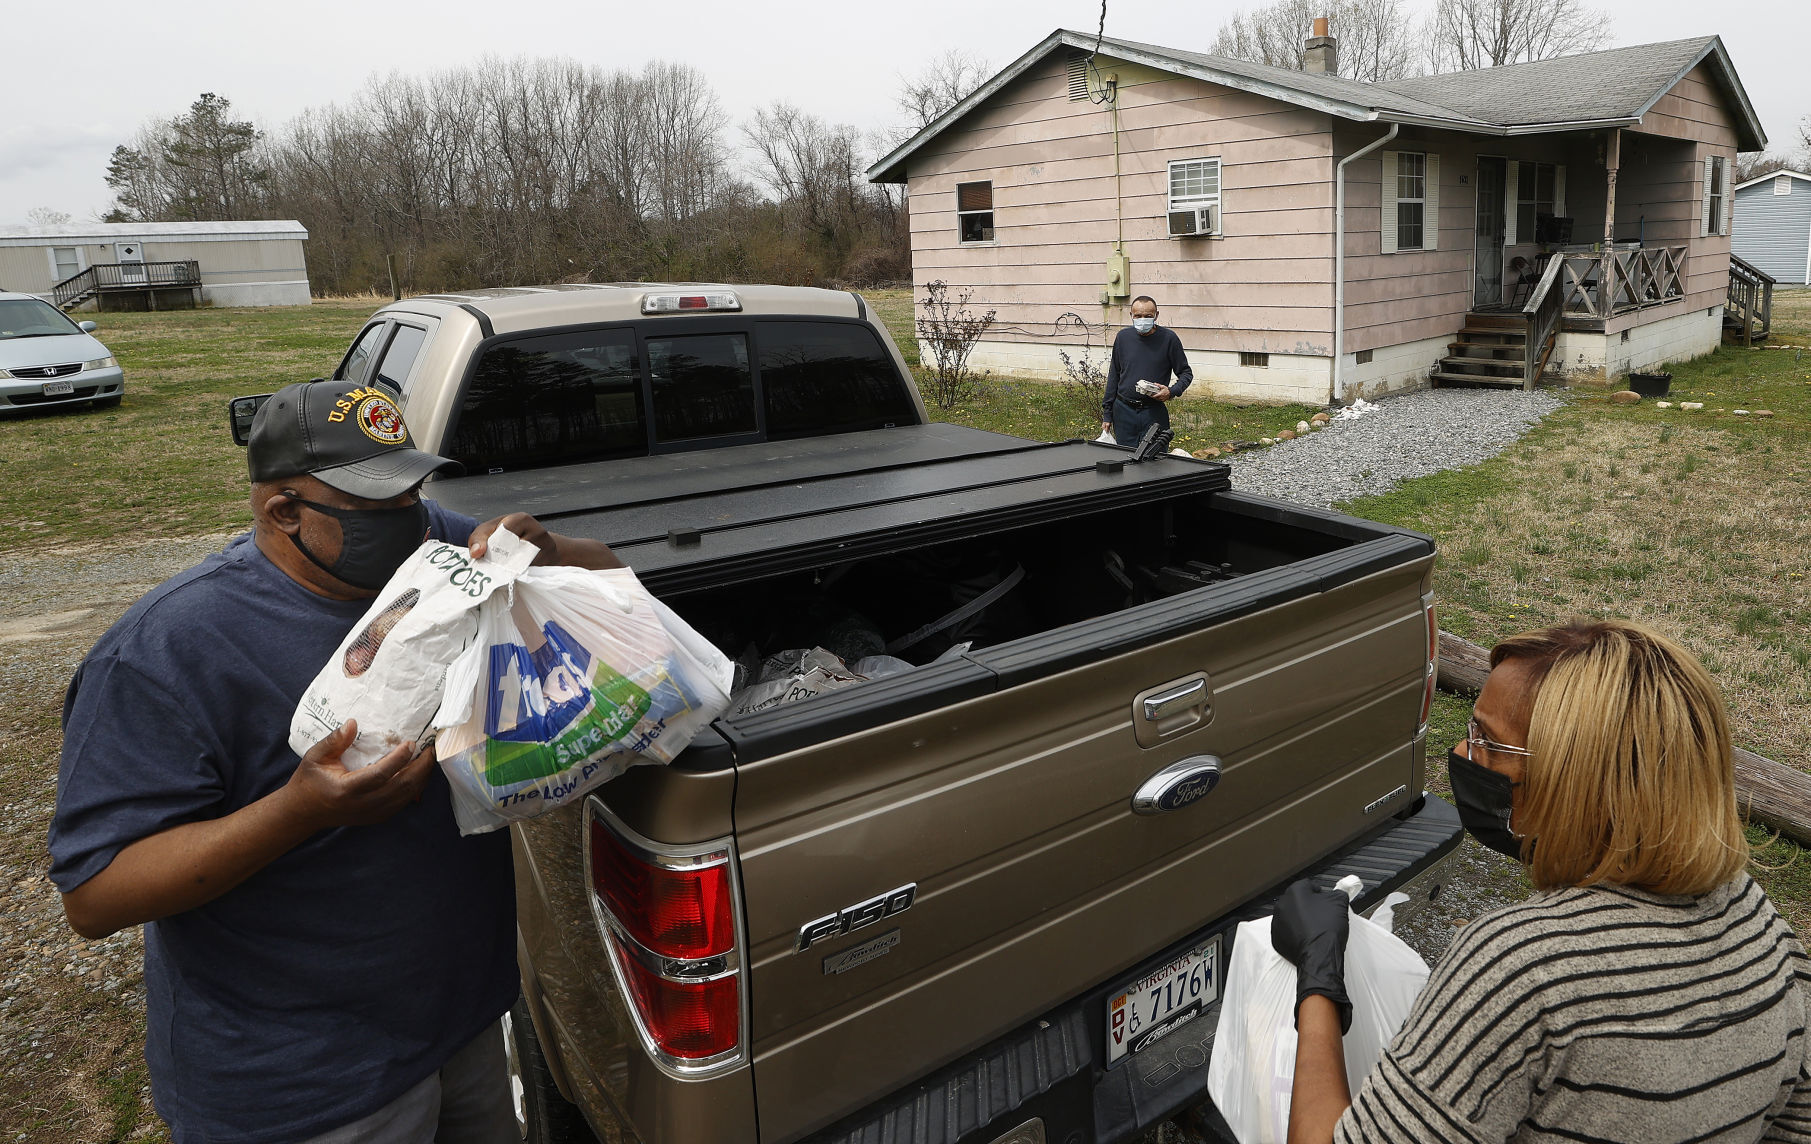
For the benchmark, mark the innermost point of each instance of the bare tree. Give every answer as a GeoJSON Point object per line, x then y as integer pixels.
{"type": "Point", "coordinates": [946, 81]}
{"type": "Point", "coordinates": [950, 330]}
{"type": "Point", "coordinates": [1376, 37]}
{"type": "Point", "coordinates": [1754, 164]}
{"type": "Point", "coordinates": [202, 166]}
{"type": "Point", "coordinates": [1465, 35]}
{"type": "Point", "coordinates": [45, 216]}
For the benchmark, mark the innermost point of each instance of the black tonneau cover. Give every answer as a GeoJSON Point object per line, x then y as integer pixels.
{"type": "Point", "coordinates": [718, 516]}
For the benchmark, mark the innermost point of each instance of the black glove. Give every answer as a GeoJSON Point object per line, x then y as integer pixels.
{"type": "Point", "coordinates": [1310, 930]}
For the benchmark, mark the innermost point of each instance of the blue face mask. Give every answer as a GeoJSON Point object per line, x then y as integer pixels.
{"type": "Point", "coordinates": [1144, 325]}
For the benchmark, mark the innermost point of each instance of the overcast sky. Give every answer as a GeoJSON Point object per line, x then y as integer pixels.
{"type": "Point", "coordinates": [78, 81]}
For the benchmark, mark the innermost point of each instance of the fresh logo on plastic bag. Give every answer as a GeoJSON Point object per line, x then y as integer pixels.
{"type": "Point", "coordinates": [547, 710]}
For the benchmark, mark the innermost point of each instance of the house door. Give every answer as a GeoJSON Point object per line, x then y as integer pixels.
{"type": "Point", "coordinates": [1488, 261]}
{"type": "Point", "coordinates": [131, 259]}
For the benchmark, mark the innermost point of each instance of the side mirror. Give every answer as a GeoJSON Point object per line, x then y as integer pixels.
{"type": "Point", "coordinates": [88, 327]}
{"type": "Point", "coordinates": [240, 412]}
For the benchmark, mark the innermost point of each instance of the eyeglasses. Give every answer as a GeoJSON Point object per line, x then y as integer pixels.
{"type": "Point", "coordinates": [1474, 739]}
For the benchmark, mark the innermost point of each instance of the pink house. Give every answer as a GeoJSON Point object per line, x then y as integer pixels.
{"type": "Point", "coordinates": [1313, 237]}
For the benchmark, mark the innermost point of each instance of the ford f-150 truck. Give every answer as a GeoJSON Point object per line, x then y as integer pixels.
{"type": "Point", "coordinates": [988, 899]}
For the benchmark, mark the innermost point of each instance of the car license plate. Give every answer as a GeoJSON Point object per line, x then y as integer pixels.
{"type": "Point", "coordinates": [58, 388]}
{"type": "Point", "coordinates": [1163, 1000]}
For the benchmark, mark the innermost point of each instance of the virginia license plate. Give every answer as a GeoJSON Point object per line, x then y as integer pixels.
{"type": "Point", "coordinates": [1163, 1001]}
{"type": "Point", "coordinates": [58, 388]}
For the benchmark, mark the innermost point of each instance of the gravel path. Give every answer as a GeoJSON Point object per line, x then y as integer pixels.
{"type": "Point", "coordinates": [1410, 435]}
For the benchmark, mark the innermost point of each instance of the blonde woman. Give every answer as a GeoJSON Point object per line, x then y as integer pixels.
{"type": "Point", "coordinates": [1647, 992]}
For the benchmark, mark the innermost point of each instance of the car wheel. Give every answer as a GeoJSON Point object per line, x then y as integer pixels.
{"type": "Point", "coordinates": [108, 402]}
{"type": "Point", "coordinates": [543, 1116]}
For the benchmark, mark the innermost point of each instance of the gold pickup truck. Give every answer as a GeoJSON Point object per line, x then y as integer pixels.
{"type": "Point", "coordinates": [988, 899]}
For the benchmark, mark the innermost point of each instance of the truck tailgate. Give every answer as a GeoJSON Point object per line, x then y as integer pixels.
{"type": "Point", "coordinates": [1010, 812]}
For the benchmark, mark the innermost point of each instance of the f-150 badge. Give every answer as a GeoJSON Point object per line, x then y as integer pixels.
{"type": "Point", "coordinates": [861, 914]}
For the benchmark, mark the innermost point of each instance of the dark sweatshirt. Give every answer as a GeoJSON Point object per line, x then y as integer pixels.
{"type": "Point", "coordinates": [1152, 357]}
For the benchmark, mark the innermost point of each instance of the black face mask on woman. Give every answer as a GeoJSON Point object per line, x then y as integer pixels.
{"type": "Point", "coordinates": [1484, 799]}
{"type": "Point", "coordinates": [373, 541]}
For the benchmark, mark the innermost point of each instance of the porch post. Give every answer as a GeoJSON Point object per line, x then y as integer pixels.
{"type": "Point", "coordinates": [1605, 286]}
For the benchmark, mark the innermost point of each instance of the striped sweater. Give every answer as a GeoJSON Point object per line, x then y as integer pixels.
{"type": "Point", "coordinates": [1604, 1014]}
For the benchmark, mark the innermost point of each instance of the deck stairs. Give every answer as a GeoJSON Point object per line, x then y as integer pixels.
{"type": "Point", "coordinates": [1492, 350]}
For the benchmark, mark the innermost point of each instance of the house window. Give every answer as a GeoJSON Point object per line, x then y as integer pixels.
{"type": "Point", "coordinates": [1411, 199]}
{"type": "Point", "coordinates": [67, 261]}
{"type": "Point", "coordinates": [1534, 197]}
{"type": "Point", "coordinates": [1363, 357]}
{"type": "Point", "coordinates": [1782, 184]}
{"type": "Point", "coordinates": [975, 211]}
{"type": "Point", "coordinates": [1194, 183]}
{"type": "Point", "coordinates": [1262, 361]}
{"type": "Point", "coordinates": [1715, 190]}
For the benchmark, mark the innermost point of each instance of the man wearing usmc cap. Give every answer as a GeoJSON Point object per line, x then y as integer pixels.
{"type": "Point", "coordinates": [326, 959]}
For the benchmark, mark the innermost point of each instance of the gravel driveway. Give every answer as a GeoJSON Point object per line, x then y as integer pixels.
{"type": "Point", "coordinates": [69, 1008]}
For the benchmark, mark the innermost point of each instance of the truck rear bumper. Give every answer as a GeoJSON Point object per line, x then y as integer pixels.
{"type": "Point", "coordinates": [1053, 1071]}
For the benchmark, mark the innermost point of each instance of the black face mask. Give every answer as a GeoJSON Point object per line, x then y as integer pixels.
{"type": "Point", "coordinates": [373, 541]}
{"type": "Point", "coordinates": [1484, 799]}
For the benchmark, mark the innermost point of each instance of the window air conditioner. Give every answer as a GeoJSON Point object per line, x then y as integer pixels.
{"type": "Point", "coordinates": [1195, 221]}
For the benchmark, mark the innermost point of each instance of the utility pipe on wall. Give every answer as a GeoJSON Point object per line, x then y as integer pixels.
{"type": "Point", "coordinates": [1336, 384]}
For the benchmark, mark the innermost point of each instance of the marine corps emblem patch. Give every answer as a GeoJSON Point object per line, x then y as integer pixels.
{"type": "Point", "coordinates": [380, 419]}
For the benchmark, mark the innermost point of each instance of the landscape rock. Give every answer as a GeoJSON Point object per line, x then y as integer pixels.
{"type": "Point", "coordinates": [1206, 454]}
{"type": "Point", "coordinates": [1625, 397]}
{"type": "Point", "coordinates": [1322, 417]}
{"type": "Point", "coordinates": [1691, 405]}
{"type": "Point", "coordinates": [1286, 435]}
{"type": "Point", "coordinates": [1301, 426]}
{"type": "Point", "coordinates": [1317, 426]}
{"type": "Point", "coordinates": [1663, 405]}
{"type": "Point", "coordinates": [1265, 441]}
{"type": "Point", "coordinates": [1763, 413]}
{"type": "Point", "coordinates": [1739, 412]}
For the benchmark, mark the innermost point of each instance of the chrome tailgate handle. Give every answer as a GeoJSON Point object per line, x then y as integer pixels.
{"type": "Point", "coordinates": [1176, 700]}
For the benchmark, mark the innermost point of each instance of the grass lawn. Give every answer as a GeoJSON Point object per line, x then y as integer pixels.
{"type": "Point", "coordinates": [1690, 522]}
{"type": "Point", "coordinates": [163, 463]}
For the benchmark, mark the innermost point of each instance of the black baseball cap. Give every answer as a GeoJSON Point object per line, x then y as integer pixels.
{"type": "Point", "coordinates": [349, 436]}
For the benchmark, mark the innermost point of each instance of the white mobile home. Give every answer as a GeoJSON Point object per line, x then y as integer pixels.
{"type": "Point", "coordinates": [1773, 226]}
{"type": "Point", "coordinates": [157, 265]}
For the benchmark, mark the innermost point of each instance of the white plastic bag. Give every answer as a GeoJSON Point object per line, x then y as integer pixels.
{"type": "Point", "coordinates": [1253, 1068]}
{"type": "Point", "coordinates": [576, 675]}
{"type": "Point", "coordinates": [389, 672]}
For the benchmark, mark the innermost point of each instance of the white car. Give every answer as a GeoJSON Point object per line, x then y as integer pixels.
{"type": "Point", "coordinates": [46, 359]}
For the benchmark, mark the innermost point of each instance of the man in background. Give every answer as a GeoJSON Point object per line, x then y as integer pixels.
{"type": "Point", "coordinates": [1139, 385]}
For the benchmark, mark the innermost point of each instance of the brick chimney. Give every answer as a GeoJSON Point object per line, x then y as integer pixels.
{"type": "Point", "coordinates": [1321, 54]}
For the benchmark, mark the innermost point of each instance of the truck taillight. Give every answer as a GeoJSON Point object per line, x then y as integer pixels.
{"type": "Point", "coordinates": [668, 919]}
{"type": "Point", "coordinates": [1433, 661]}
{"type": "Point", "coordinates": [674, 911]}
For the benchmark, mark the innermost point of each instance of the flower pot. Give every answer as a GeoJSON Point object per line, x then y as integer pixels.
{"type": "Point", "coordinates": [1651, 384]}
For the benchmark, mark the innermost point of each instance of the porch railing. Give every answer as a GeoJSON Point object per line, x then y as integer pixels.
{"type": "Point", "coordinates": [1543, 312]}
{"type": "Point", "coordinates": [125, 276]}
{"type": "Point", "coordinates": [1750, 301]}
{"type": "Point", "coordinates": [1638, 278]}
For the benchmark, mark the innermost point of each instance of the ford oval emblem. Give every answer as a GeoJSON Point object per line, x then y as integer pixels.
{"type": "Point", "coordinates": [1178, 785]}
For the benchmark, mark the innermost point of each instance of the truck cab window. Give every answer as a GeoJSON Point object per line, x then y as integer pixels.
{"type": "Point", "coordinates": [829, 377]}
{"type": "Point", "coordinates": [703, 386]}
{"type": "Point", "coordinates": [554, 400]}
{"type": "Point", "coordinates": [399, 358]}
{"type": "Point", "coordinates": [358, 358]}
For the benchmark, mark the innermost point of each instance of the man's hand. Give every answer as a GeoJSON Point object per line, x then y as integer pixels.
{"type": "Point", "coordinates": [322, 793]}
{"type": "Point", "coordinates": [1106, 426]}
{"type": "Point", "coordinates": [1162, 394]}
{"type": "Point", "coordinates": [555, 549]}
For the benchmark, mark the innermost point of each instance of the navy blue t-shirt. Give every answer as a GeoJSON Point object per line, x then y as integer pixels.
{"type": "Point", "coordinates": [336, 978]}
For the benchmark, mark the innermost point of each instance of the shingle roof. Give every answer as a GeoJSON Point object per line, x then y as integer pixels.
{"type": "Point", "coordinates": [1611, 87]}
{"type": "Point", "coordinates": [1330, 87]}
{"type": "Point", "coordinates": [1619, 83]}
